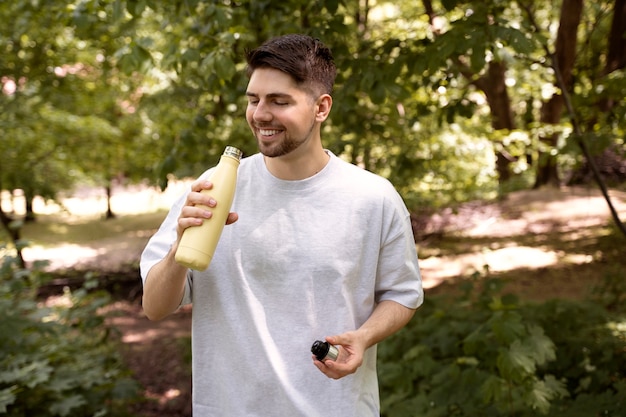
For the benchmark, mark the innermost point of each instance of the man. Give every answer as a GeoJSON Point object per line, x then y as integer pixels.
{"type": "Point", "coordinates": [314, 246]}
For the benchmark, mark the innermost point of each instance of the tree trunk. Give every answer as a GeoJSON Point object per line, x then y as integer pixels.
{"type": "Point", "coordinates": [616, 55]}
{"type": "Point", "coordinates": [30, 213]}
{"type": "Point", "coordinates": [494, 86]}
{"type": "Point", "coordinates": [109, 191]}
{"type": "Point", "coordinates": [563, 59]}
{"type": "Point", "coordinates": [14, 235]}
{"type": "Point", "coordinates": [611, 161]}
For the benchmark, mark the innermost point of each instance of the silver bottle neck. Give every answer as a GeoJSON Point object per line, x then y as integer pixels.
{"type": "Point", "coordinates": [234, 152]}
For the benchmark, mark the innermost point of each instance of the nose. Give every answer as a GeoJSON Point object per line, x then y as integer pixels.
{"type": "Point", "coordinates": [261, 113]}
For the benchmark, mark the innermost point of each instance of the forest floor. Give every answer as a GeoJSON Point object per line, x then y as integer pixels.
{"type": "Point", "coordinates": [543, 241]}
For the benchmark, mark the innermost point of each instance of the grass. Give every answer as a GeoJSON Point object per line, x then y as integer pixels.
{"type": "Point", "coordinates": [50, 230]}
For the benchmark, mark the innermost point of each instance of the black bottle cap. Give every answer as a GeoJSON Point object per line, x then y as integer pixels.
{"type": "Point", "coordinates": [320, 349]}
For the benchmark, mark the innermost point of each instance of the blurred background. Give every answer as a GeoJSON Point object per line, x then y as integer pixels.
{"type": "Point", "coordinates": [500, 122]}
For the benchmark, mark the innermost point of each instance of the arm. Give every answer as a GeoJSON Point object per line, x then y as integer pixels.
{"type": "Point", "coordinates": [164, 285]}
{"type": "Point", "coordinates": [387, 318]}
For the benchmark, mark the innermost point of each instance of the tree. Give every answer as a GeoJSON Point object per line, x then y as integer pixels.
{"type": "Point", "coordinates": [612, 160]}
{"type": "Point", "coordinates": [564, 58]}
{"type": "Point", "coordinates": [441, 97]}
{"type": "Point", "coordinates": [68, 108]}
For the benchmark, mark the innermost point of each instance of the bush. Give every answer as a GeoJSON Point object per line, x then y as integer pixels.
{"type": "Point", "coordinates": [57, 361]}
{"type": "Point", "coordinates": [488, 354]}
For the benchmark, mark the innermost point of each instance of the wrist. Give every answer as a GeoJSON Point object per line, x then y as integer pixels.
{"type": "Point", "coordinates": [364, 336]}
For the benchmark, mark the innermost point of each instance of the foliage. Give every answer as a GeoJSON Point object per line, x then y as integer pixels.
{"type": "Point", "coordinates": [486, 353]}
{"type": "Point", "coordinates": [57, 360]}
{"type": "Point", "coordinates": [67, 112]}
{"type": "Point", "coordinates": [141, 90]}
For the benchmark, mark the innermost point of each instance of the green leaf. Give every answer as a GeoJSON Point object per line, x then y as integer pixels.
{"type": "Point", "coordinates": [444, 47]}
{"type": "Point", "coordinates": [136, 7]}
{"type": "Point", "coordinates": [478, 57]}
{"type": "Point", "coordinates": [542, 346]}
{"type": "Point", "coordinates": [118, 10]}
{"type": "Point", "coordinates": [519, 41]}
{"type": "Point", "coordinates": [225, 67]}
{"type": "Point", "coordinates": [142, 58]}
{"type": "Point", "coordinates": [378, 93]}
{"type": "Point", "coordinates": [492, 389]}
{"type": "Point", "coordinates": [517, 362]}
{"type": "Point", "coordinates": [543, 392]}
{"type": "Point", "coordinates": [31, 374]}
{"type": "Point", "coordinates": [66, 405]}
{"type": "Point", "coordinates": [7, 397]}
{"type": "Point", "coordinates": [474, 342]}
{"type": "Point", "coordinates": [507, 326]}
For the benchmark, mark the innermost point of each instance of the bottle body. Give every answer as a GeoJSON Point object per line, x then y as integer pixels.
{"type": "Point", "coordinates": [198, 243]}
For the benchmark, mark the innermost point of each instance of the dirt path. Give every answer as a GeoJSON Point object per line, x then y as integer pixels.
{"type": "Point", "coordinates": [156, 353]}
{"type": "Point", "coordinates": [531, 230]}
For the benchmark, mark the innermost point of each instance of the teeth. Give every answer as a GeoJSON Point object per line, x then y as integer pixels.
{"type": "Point", "coordinates": [265, 132]}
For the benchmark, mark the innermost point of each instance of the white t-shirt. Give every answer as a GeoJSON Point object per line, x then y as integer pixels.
{"type": "Point", "coordinates": [306, 259]}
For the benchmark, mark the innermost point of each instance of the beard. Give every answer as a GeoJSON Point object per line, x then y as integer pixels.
{"type": "Point", "coordinates": [285, 146]}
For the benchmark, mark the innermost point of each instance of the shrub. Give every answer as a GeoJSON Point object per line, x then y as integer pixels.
{"type": "Point", "coordinates": [486, 353]}
{"type": "Point", "coordinates": [59, 360]}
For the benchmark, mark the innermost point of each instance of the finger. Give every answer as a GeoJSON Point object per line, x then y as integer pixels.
{"type": "Point", "coordinates": [196, 212]}
{"type": "Point", "coordinates": [200, 185]}
{"type": "Point", "coordinates": [338, 370]}
{"type": "Point", "coordinates": [318, 364]}
{"type": "Point", "coordinates": [197, 198]}
{"type": "Point", "coordinates": [333, 370]}
{"type": "Point", "coordinates": [323, 367]}
{"type": "Point", "coordinates": [185, 222]}
{"type": "Point", "coordinates": [232, 218]}
{"type": "Point", "coordinates": [344, 339]}
{"type": "Point", "coordinates": [191, 216]}
{"type": "Point", "coordinates": [334, 340]}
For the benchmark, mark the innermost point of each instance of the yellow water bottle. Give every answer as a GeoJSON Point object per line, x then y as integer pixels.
{"type": "Point", "coordinates": [198, 243]}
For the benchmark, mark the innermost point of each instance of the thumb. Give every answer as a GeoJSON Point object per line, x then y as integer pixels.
{"type": "Point", "coordinates": [337, 340]}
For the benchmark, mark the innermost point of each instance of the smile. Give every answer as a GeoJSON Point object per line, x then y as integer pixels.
{"type": "Point", "coordinates": [268, 132]}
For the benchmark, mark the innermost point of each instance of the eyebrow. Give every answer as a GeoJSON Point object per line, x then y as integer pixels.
{"type": "Point", "coordinates": [270, 95]}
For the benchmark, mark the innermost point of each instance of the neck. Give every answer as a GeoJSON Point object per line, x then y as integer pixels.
{"type": "Point", "coordinates": [297, 165]}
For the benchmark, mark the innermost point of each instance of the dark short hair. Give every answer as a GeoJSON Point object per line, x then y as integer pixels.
{"type": "Point", "coordinates": [307, 60]}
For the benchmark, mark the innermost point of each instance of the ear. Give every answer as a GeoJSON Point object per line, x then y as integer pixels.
{"type": "Point", "coordinates": [323, 105]}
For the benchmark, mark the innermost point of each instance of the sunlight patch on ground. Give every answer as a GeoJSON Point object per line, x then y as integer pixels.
{"type": "Point", "coordinates": [62, 256]}
{"type": "Point", "coordinates": [567, 209]}
{"type": "Point", "coordinates": [436, 270]}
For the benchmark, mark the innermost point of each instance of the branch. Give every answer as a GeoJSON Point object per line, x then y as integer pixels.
{"type": "Point", "coordinates": [578, 136]}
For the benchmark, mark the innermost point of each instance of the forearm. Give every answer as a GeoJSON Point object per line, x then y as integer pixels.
{"type": "Point", "coordinates": [164, 288]}
{"type": "Point", "coordinates": [387, 318]}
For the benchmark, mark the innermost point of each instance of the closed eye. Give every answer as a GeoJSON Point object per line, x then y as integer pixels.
{"type": "Point", "coordinates": [278, 99]}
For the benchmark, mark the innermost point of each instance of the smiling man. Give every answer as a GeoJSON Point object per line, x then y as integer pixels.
{"type": "Point", "coordinates": [314, 247]}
